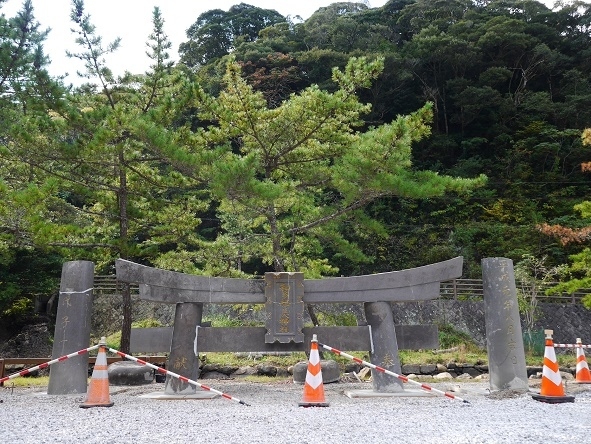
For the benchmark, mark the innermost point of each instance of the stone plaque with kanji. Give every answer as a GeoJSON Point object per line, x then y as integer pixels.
{"type": "Point", "coordinates": [284, 294]}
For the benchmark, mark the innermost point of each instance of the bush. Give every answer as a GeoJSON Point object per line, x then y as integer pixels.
{"type": "Point", "coordinates": [450, 337]}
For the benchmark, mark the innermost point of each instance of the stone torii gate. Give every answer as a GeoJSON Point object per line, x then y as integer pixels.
{"type": "Point", "coordinates": [284, 296]}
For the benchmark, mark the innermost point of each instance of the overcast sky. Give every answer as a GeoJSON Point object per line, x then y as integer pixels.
{"type": "Point", "coordinates": [132, 21]}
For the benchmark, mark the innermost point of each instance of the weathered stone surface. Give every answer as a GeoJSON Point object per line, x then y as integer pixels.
{"type": "Point", "coordinates": [266, 370]}
{"type": "Point", "coordinates": [130, 373]}
{"type": "Point", "coordinates": [364, 373]}
{"type": "Point", "coordinates": [464, 376]}
{"type": "Point", "coordinates": [330, 371]}
{"type": "Point", "coordinates": [183, 358]}
{"type": "Point", "coordinates": [245, 371]}
{"type": "Point", "coordinates": [225, 369]}
{"type": "Point", "coordinates": [214, 375]}
{"type": "Point", "coordinates": [444, 375]}
{"type": "Point", "coordinates": [282, 372]}
{"type": "Point", "coordinates": [72, 329]}
{"type": "Point", "coordinates": [504, 339]}
{"type": "Point", "coordinates": [411, 368]}
{"type": "Point", "coordinates": [353, 367]}
{"type": "Point", "coordinates": [428, 369]}
{"type": "Point", "coordinates": [567, 376]}
{"type": "Point", "coordinates": [285, 307]}
{"type": "Point", "coordinates": [468, 369]}
{"type": "Point", "coordinates": [385, 346]}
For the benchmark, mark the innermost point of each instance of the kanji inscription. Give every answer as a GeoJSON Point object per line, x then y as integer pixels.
{"type": "Point", "coordinates": [284, 293]}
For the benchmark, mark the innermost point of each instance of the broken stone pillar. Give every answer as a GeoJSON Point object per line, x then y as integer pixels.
{"type": "Point", "coordinates": [72, 329]}
{"type": "Point", "coordinates": [506, 355]}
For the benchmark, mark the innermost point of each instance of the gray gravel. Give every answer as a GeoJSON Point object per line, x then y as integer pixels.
{"type": "Point", "coordinates": [31, 416]}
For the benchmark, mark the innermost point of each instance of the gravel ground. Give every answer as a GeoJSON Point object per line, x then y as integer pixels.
{"type": "Point", "coordinates": [29, 415]}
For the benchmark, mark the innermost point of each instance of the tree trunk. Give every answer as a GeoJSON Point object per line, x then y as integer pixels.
{"type": "Point", "coordinates": [123, 252]}
{"type": "Point", "coordinates": [125, 346]}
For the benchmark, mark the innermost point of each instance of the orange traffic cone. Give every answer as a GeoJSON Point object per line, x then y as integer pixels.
{"type": "Point", "coordinates": [552, 390]}
{"type": "Point", "coordinates": [98, 390]}
{"type": "Point", "coordinates": [314, 387]}
{"type": "Point", "coordinates": [583, 376]}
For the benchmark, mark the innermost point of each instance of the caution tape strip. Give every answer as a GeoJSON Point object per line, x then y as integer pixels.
{"type": "Point", "coordinates": [388, 372]}
{"type": "Point", "coordinates": [48, 363]}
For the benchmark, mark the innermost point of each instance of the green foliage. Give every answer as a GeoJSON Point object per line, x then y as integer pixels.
{"type": "Point", "coordinates": [338, 145]}
{"type": "Point", "coordinates": [217, 32]}
{"type": "Point", "coordinates": [451, 337]}
{"type": "Point", "coordinates": [27, 276]}
{"type": "Point", "coordinates": [220, 320]}
{"type": "Point", "coordinates": [114, 340]}
{"type": "Point", "coordinates": [301, 168]}
{"type": "Point", "coordinates": [146, 323]}
{"type": "Point", "coordinates": [343, 319]}
{"type": "Point", "coordinates": [531, 275]}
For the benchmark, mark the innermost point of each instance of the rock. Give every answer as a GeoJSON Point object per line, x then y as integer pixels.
{"type": "Point", "coordinates": [130, 373]}
{"type": "Point", "coordinates": [225, 369]}
{"type": "Point", "coordinates": [444, 375]}
{"type": "Point", "coordinates": [464, 376]}
{"type": "Point", "coordinates": [441, 368]}
{"type": "Point", "coordinates": [567, 376]}
{"type": "Point", "coordinates": [214, 375]}
{"type": "Point", "coordinates": [428, 369]}
{"type": "Point", "coordinates": [364, 373]}
{"type": "Point", "coordinates": [245, 371]}
{"type": "Point", "coordinates": [282, 372]}
{"type": "Point", "coordinates": [351, 367]}
{"type": "Point", "coordinates": [330, 371]}
{"type": "Point", "coordinates": [411, 368]}
{"type": "Point", "coordinates": [465, 368]}
{"type": "Point", "coordinates": [483, 377]}
{"type": "Point", "coordinates": [267, 370]}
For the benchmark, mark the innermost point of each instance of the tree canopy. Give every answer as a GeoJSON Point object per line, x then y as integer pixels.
{"type": "Point", "coordinates": [353, 142]}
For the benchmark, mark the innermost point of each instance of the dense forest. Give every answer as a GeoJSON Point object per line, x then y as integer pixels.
{"type": "Point", "coordinates": [360, 140]}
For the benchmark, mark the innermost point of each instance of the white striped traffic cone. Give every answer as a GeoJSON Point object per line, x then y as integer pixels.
{"type": "Point", "coordinates": [314, 387]}
{"type": "Point", "coordinates": [98, 390]}
{"type": "Point", "coordinates": [552, 390]}
{"type": "Point", "coordinates": [583, 376]}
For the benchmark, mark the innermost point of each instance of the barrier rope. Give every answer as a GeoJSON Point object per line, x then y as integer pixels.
{"type": "Point", "coordinates": [572, 345]}
{"type": "Point", "coordinates": [388, 372]}
{"type": "Point", "coordinates": [48, 363]}
{"type": "Point", "coordinates": [176, 375]}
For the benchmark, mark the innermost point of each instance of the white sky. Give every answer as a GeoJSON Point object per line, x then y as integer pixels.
{"type": "Point", "coordinates": [132, 21]}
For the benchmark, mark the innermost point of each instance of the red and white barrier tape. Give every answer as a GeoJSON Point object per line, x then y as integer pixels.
{"type": "Point", "coordinates": [176, 375]}
{"type": "Point", "coordinates": [388, 372]}
{"type": "Point", "coordinates": [572, 345]}
{"type": "Point", "coordinates": [47, 364]}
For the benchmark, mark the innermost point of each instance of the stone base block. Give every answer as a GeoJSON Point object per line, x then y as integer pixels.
{"type": "Point", "coordinates": [415, 393]}
{"type": "Point", "coordinates": [200, 394]}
